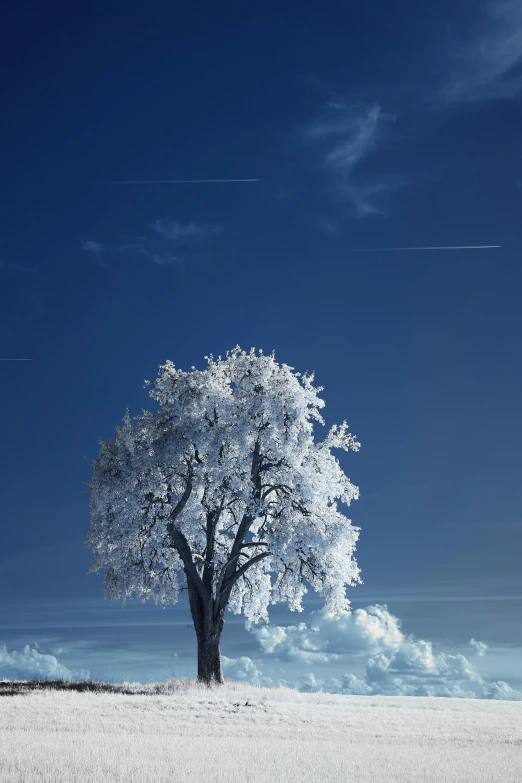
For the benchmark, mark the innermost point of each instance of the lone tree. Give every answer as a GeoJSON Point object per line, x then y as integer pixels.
{"type": "Point", "coordinates": [226, 483]}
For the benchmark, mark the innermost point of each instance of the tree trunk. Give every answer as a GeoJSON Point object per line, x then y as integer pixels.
{"type": "Point", "coordinates": [209, 659]}
{"type": "Point", "coordinates": [208, 632]}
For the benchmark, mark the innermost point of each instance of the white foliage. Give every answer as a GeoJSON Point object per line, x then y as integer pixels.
{"type": "Point", "coordinates": [206, 432]}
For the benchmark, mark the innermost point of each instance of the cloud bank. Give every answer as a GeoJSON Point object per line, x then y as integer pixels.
{"type": "Point", "coordinates": [30, 664]}
{"type": "Point", "coordinates": [371, 639]}
{"type": "Point", "coordinates": [396, 664]}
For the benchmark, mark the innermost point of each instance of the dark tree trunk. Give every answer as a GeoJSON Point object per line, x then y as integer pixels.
{"type": "Point", "coordinates": [209, 660]}
{"type": "Point", "coordinates": [208, 632]}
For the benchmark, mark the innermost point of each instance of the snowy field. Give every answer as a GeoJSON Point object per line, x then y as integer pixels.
{"type": "Point", "coordinates": [255, 735]}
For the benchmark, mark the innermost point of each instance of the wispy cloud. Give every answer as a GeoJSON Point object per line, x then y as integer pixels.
{"type": "Point", "coordinates": [395, 663]}
{"type": "Point", "coordinates": [15, 268]}
{"type": "Point", "coordinates": [349, 132]}
{"type": "Point", "coordinates": [144, 247]}
{"type": "Point", "coordinates": [182, 232]}
{"type": "Point", "coordinates": [328, 225]}
{"type": "Point", "coordinates": [368, 198]}
{"type": "Point", "coordinates": [169, 244]}
{"type": "Point", "coordinates": [490, 65]}
{"type": "Point", "coordinates": [96, 249]}
{"type": "Point", "coordinates": [346, 135]}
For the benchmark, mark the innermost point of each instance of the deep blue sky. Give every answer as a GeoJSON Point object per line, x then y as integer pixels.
{"type": "Point", "coordinates": [368, 126]}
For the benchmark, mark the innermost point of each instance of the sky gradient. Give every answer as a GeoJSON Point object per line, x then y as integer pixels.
{"type": "Point", "coordinates": [362, 127]}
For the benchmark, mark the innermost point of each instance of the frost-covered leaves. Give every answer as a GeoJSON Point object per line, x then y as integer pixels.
{"type": "Point", "coordinates": [206, 433]}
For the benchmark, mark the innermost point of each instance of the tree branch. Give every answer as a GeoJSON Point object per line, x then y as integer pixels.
{"type": "Point", "coordinates": [245, 568]}
{"type": "Point", "coordinates": [208, 571]}
{"type": "Point", "coordinates": [269, 465]}
{"type": "Point", "coordinates": [244, 525]}
{"type": "Point", "coordinates": [247, 519]}
{"type": "Point", "coordinates": [179, 542]}
{"type": "Point", "coordinates": [222, 576]}
{"type": "Point", "coordinates": [284, 487]}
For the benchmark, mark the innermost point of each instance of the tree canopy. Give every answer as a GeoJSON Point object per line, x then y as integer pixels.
{"type": "Point", "coordinates": [226, 485]}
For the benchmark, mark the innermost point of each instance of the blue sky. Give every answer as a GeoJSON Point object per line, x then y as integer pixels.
{"type": "Point", "coordinates": [367, 126]}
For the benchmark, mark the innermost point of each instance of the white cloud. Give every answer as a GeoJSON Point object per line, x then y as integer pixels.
{"type": "Point", "coordinates": [244, 670]}
{"type": "Point", "coordinates": [488, 66]}
{"type": "Point", "coordinates": [362, 630]}
{"type": "Point", "coordinates": [502, 691]}
{"type": "Point", "coordinates": [29, 664]}
{"type": "Point", "coordinates": [395, 663]}
{"type": "Point", "coordinates": [346, 136]}
{"type": "Point", "coordinates": [479, 646]}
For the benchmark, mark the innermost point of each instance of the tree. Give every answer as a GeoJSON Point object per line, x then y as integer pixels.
{"type": "Point", "coordinates": [226, 484]}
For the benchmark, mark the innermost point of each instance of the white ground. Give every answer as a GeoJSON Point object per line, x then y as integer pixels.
{"type": "Point", "coordinates": [245, 733]}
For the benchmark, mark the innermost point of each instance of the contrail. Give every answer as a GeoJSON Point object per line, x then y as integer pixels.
{"type": "Point", "coordinates": [448, 247]}
{"type": "Point", "coordinates": [16, 360]}
{"type": "Point", "coordinates": [168, 181]}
